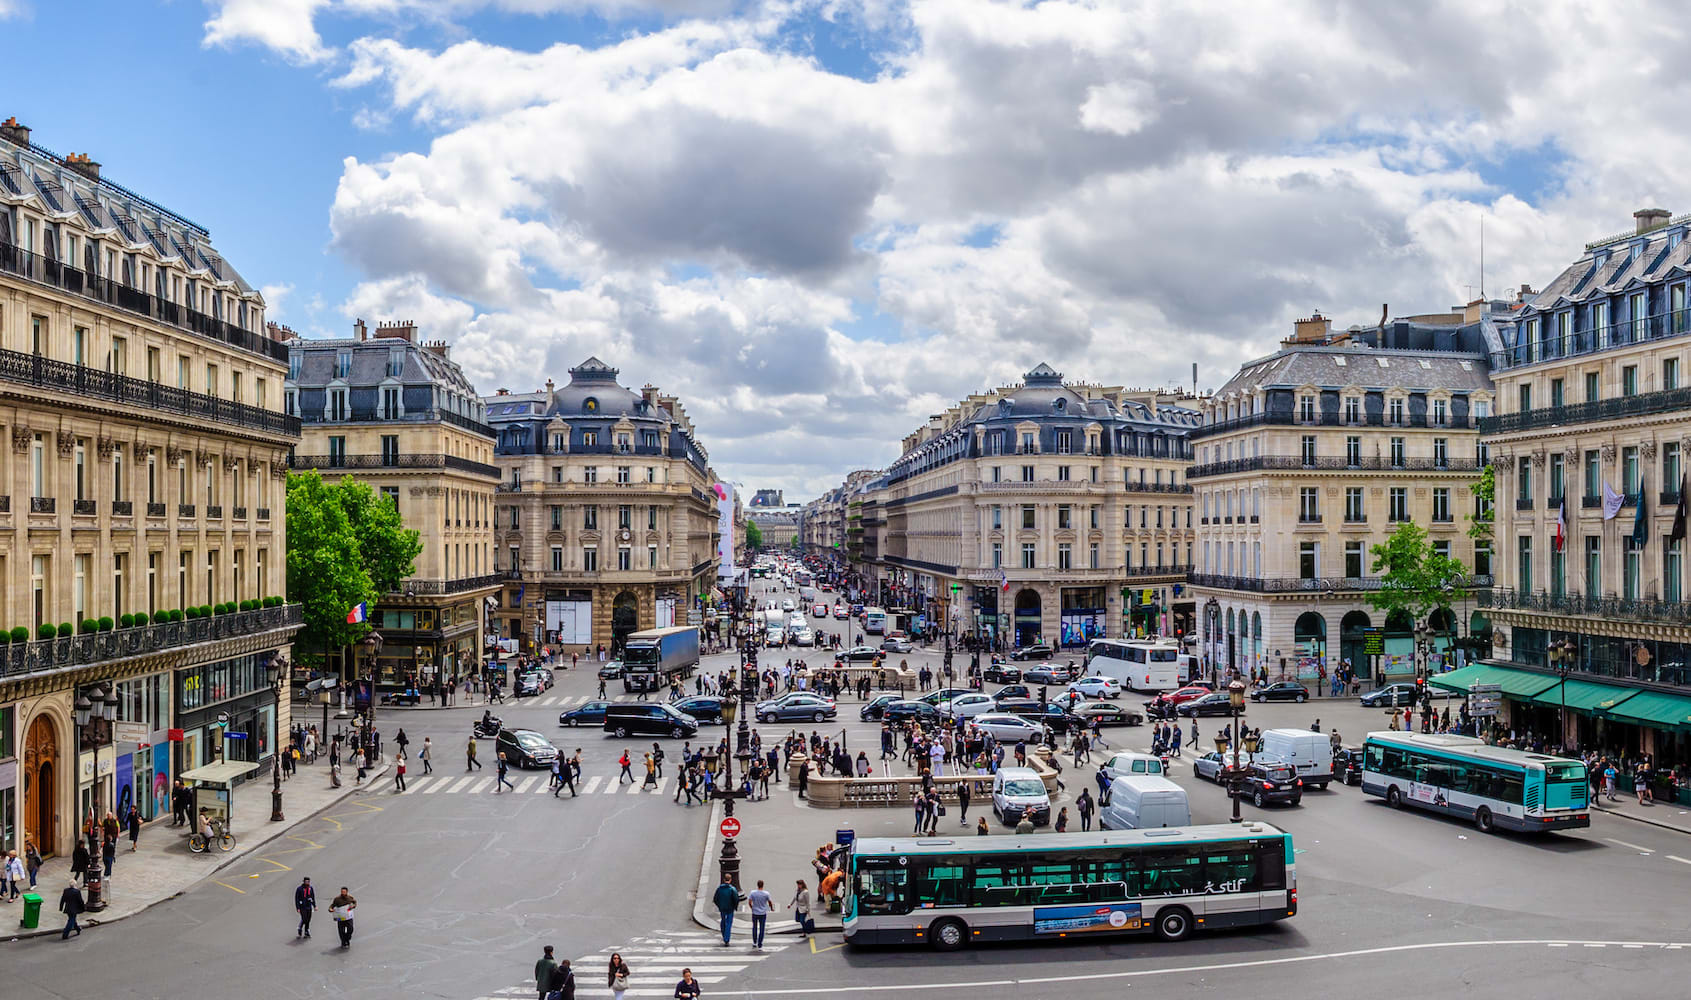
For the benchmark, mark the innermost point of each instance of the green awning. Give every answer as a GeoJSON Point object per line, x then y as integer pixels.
{"type": "Point", "coordinates": [1585, 696]}
{"type": "Point", "coordinates": [1654, 708]}
{"type": "Point", "coordinates": [1520, 684]}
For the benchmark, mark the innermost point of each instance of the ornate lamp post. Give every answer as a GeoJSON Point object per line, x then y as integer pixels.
{"type": "Point", "coordinates": [1561, 653]}
{"type": "Point", "coordinates": [372, 645]}
{"type": "Point", "coordinates": [1235, 695]}
{"type": "Point", "coordinates": [277, 668]}
{"type": "Point", "coordinates": [1212, 608]}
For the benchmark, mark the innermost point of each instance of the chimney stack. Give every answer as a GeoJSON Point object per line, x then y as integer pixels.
{"type": "Point", "coordinates": [10, 130]}
{"type": "Point", "coordinates": [1651, 218]}
{"type": "Point", "coordinates": [359, 330]}
{"type": "Point", "coordinates": [1314, 330]}
{"type": "Point", "coordinates": [81, 163]}
{"type": "Point", "coordinates": [400, 329]}
{"type": "Point", "coordinates": [550, 390]}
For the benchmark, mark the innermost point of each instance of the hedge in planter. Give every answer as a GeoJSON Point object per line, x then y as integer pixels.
{"type": "Point", "coordinates": [20, 634]}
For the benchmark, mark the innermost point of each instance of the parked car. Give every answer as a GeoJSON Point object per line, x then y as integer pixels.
{"type": "Point", "coordinates": [1217, 703]}
{"type": "Point", "coordinates": [1037, 651]}
{"type": "Point", "coordinates": [856, 653]}
{"type": "Point", "coordinates": [706, 709]}
{"type": "Point", "coordinates": [525, 748]}
{"type": "Point", "coordinates": [1268, 781]}
{"type": "Point", "coordinates": [1001, 673]}
{"type": "Point", "coordinates": [611, 670]}
{"type": "Point", "coordinates": [1281, 691]}
{"type": "Point", "coordinates": [649, 718]}
{"type": "Point", "coordinates": [1108, 714]}
{"type": "Point", "coordinates": [590, 714]}
{"type": "Point", "coordinates": [872, 711]}
{"type": "Point", "coordinates": [1097, 686]}
{"type": "Point", "coordinates": [966, 705]}
{"type": "Point", "coordinates": [1047, 673]}
{"type": "Point", "coordinates": [1006, 728]}
{"type": "Point", "coordinates": [900, 712]}
{"type": "Point", "coordinates": [1391, 696]}
{"type": "Point", "coordinates": [1209, 766]}
{"type": "Point", "coordinates": [1012, 691]}
{"type": "Point", "coordinates": [895, 644]}
{"type": "Point", "coordinates": [794, 706]}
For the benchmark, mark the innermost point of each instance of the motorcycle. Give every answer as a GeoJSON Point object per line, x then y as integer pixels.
{"type": "Point", "coordinates": [488, 729]}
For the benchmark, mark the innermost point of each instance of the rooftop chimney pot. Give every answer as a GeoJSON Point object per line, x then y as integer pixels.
{"type": "Point", "coordinates": [1651, 218]}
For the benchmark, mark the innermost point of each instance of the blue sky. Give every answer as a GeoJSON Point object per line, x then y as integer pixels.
{"type": "Point", "coordinates": [820, 221]}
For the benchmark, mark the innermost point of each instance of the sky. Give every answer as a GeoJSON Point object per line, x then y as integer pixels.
{"type": "Point", "coordinates": [818, 222]}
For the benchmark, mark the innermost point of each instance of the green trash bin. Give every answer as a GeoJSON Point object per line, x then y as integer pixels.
{"type": "Point", "coordinates": [31, 911]}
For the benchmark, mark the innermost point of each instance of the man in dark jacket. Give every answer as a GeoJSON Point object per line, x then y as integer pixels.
{"type": "Point", "coordinates": [70, 904]}
{"type": "Point", "coordinates": [81, 860]}
{"type": "Point", "coordinates": [305, 901]}
{"type": "Point", "coordinates": [562, 984]}
{"type": "Point", "coordinates": [727, 900]}
{"type": "Point", "coordinates": [543, 970]}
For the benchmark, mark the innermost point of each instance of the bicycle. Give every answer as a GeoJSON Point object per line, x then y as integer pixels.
{"type": "Point", "coordinates": [224, 840]}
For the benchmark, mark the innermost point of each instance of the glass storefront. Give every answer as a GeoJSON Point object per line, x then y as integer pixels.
{"type": "Point", "coordinates": [1649, 660]}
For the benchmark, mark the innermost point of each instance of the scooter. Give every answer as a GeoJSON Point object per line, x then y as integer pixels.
{"type": "Point", "coordinates": [489, 729]}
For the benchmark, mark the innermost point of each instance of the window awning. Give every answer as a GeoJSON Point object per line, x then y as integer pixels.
{"type": "Point", "coordinates": [1655, 708]}
{"type": "Point", "coordinates": [1520, 684]}
{"type": "Point", "coordinates": [1585, 696]}
{"type": "Point", "coordinates": [220, 773]}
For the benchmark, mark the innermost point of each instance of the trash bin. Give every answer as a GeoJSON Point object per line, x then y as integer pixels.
{"type": "Point", "coordinates": [31, 911]}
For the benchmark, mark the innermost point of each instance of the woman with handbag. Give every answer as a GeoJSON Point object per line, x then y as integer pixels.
{"type": "Point", "coordinates": [618, 977]}
{"type": "Point", "coordinates": [801, 909]}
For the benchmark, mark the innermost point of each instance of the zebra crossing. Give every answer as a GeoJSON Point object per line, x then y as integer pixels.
{"type": "Point", "coordinates": [529, 784]}
{"type": "Point", "coordinates": [573, 700]}
{"type": "Point", "coordinates": [655, 963]}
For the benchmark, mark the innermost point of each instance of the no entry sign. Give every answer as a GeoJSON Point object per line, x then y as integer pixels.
{"type": "Point", "coordinates": [730, 827]}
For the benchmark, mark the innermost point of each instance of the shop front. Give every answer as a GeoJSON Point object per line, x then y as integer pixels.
{"type": "Point", "coordinates": [1083, 616]}
{"type": "Point", "coordinates": [215, 702]}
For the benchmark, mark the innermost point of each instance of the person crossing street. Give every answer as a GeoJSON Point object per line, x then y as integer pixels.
{"type": "Point", "coordinates": [504, 781]}
{"type": "Point", "coordinates": [305, 902]}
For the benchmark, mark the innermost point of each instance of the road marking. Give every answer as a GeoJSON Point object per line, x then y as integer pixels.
{"type": "Point", "coordinates": [817, 951]}
{"type": "Point", "coordinates": [1642, 850]}
{"type": "Point", "coordinates": [525, 784]}
{"type": "Point", "coordinates": [592, 783]}
{"type": "Point", "coordinates": [611, 787]}
{"type": "Point", "coordinates": [1675, 857]}
{"type": "Point", "coordinates": [436, 785]}
{"type": "Point", "coordinates": [228, 886]}
{"type": "Point", "coordinates": [460, 785]}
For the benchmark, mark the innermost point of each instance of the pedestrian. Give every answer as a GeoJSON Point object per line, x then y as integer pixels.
{"type": "Point", "coordinates": [108, 850]}
{"type": "Point", "coordinates": [305, 901]}
{"type": "Point", "coordinates": [919, 802]}
{"type": "Point", "coordinates": [616, 976]}
{"type": "Point", "coordinates": [727, 900]}
{"type": "Point", "coordinates": [133, 821]}
{"type": "Point", "coordinates": [1083, 805]}
{"type": "Point", "coordinates": [342, 908]}
{"type": "Point", "coordinates": [657, 758]}
{"type": "Point", "coordinates": [963, 794]}
{"type": "Point", "coordinates": [688, 987]}
{"type": "Point", "coordinates": [1609, 775]}
{"type": "Point", "coordinates": [71, 904]}
{"type": "Point", "coordinates": [11, 875]}
{"type": "Point", "coordinates": [426, 755]}
{"type": "Point", "coordinates": [360, 762]}
{"type": "Point", "coordinates": [562, 984]}
{"type": "Point", "coordinates": [543, 970]}
{"type": "Point", "coordinates": [1174, 739]}
{"type": "Point", "coordinates": [31, 860]}
{"type": "Point", "coordinates": [651, 773]}
{"type": "Point", "coordinates": [1062, 825]}
{"type": "Point", "coordinates": [1025, 824]}
{"type": "Point", "coordinates": [760, 903]}
{"type": "Point", "coordinates": [625, 761]}
{"type": "Point", "coordinates": [801, 909]}
{"type": "Point", "coordinates": [504, 769]}
{"type": "Point", "coordinates": [399, 772]}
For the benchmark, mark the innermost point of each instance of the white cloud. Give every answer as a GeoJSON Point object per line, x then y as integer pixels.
{"type": "Point", "coordinates": [283, 25]}
{"type": "Point", "coordinates": [274, 298]}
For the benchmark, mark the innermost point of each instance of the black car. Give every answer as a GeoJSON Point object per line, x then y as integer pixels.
{"type": "Point", "coordinates": [900, 712]}
{"type": "Point", "coordinates": [1012, 691]}
{"type": "Point", "coordinates": [650, 718]}
{"type": "Point", "coordinates": [525, 748]}
{"type": "Point", "coordinates": [1391, 696]}
{"type": "Point", "coordinates": [1281, 691]}
{"type": "Point", "coordinates": [872, 711]}
{"type": "Point", "coordinates": [590, 714]}
{"type": "Point", "coordinates": [1347, 765]}
{"type": "Point", "coordinates": [1108, 714]}
{"type": "Point", "coordinates": [532, 682]}
{"type": "Point", "coordinates": [1001, 673]}
{"type": "Point", "coordinates": [1268, 781]}
{"type": "Point", "coordinates": [703, 708]}
{"type": "Point", "coordinates": [1037, 651]}
{"type": "Point", "coordinates": [1059, 719]}
{"type": "Point", "coordinates": [611, 671]}
{"type": "Point", "coordinates": [859, 653]}
{"type": "Point", "coordinates": [1215, 703]}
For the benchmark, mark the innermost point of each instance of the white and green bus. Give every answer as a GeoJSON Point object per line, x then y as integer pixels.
{"type": "Point", "coordinates": [1170, 881]}
{"type": "Point", "coordinates": [1494, 787]}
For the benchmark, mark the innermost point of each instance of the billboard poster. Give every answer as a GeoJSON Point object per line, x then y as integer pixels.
{"type": "Point", "coordinates": [1086, 917]}
{"type": "Point", "coordinates": [725, 532]}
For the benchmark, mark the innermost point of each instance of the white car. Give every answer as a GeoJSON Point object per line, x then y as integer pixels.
{"type": "Point", "coordinates": [966, 706]}
{"type": "Point", "coordinates": [787, 606]}
{"type": "Point", "coordinates": [1097, 686]}
{"type": "Point", "coordinates": [1008, 728]}
{"type": "Point", "coordinates": [803, 637]}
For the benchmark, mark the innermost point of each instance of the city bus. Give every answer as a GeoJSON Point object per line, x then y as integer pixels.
{"type": "Point", "coordinates": [874, 620]}
{"type": "Point", "coordinates": [1170, 881]}
{"type": "Point", "coordinates": [1140, 664]}
{"type": "Point", "coordinates": [1493, 787]}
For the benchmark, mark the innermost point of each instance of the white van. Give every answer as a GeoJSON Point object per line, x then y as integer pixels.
{"type": "Point", "coordinates": [1310, 752]}
{"type": "Point", "coordinates": [1128, 764]}
{"type": "Point", "coordinates": [1016, 790]}
{"type": "Point", "coordinates": [1144, 802]}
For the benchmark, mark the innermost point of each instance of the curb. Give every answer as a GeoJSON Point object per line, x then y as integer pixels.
{"type": "Point", "coordinates": [1640, 819]}
{"type": "Point", "coordinates": [703, 912]}
{"type": "Point", "coordinates": [275, 832]}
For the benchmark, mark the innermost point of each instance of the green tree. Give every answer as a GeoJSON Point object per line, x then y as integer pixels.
{"type": "Point", "coordinates": [1485, 495]}
{"type": "Point", "coordinates": [389, 549]}
{"type": "Point", "coordinates": [754, 535]}
{"type": "Point", "coordinates": [1414, 577]}
{"type": "Point", "coordinates": [346, 546]}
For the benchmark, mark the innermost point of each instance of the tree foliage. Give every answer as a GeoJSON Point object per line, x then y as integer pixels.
{"type": "Point", "coordinates": [1414, 577]}
{"type": "Point", "coordinates": [346, 546]}
{"type": "Point", "coordinates": [754, 535]}
{"type": "Point", "coordinates": [1485, 492]}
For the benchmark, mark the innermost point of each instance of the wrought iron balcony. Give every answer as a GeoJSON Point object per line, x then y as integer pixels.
{"type": "Point", "coordinates": [5, 503]}
{"type": "Point", "coordinates": [103, 647]}
{"type": "Point", "coordinates": [1178, 569]}
{"type": "Point", "coordinates": [87, 508]}
{"type": "Point", "coordinates": [42, 505]}
{"type": "Point", "coordinates": [123, 508]}
{"type": "Point", "coordinates": [1523, 503]}
{"type": "Point", "coordinates": [1583, 342]}
{"type": "Point", "coordinates": [1328, 419]}
{"type": "Point", "coordinates": [263, 513]}
{"type": "Point", "coordinates": [1586, 606]}
{"type": "Point", "coordinates": [1297, 463]}
{"type": "Point", "coordinates": [413, 587]}
{"type": "Point", "coordinates": [184, 510]}
{"type": "Point", "coordinates": [155, 509]}
{"type": "Point", "coordinates": [393, 461]}
{"type": "Point", "coordinates": [214, 511]}
{"type": "Point", "coordinates": [1589, 502]}
{"type": "Point", "coordinates": [359, 415]}
{"type": "Point", "coordinates": [240, 513]}
{"type": "Point", "coordinates": [1317, 585]}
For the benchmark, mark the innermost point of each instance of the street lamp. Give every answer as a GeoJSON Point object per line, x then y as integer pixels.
{"type": "Point", "coordinates": [1561, 653]}
{"type": "Point", "coordinates": [1236, 696]}
{"type": "Point", "coordinates": [372, 643]}
{"type": "Point", "coordinates": [276, 671]}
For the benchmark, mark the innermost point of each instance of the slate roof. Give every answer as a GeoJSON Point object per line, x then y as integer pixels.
{"type": "Point", "coordinates": [317, 359]}
{"type": "Point", "coordinates": [1362, 368]}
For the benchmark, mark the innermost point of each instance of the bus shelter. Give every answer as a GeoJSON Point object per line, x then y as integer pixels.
{"type": "Point", "coordinates": [214, 787]}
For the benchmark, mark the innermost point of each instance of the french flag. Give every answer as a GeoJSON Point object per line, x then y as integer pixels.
{"type": "Point", "coordinates": [1561, 524]}
{"type": "Point", "coordinates": [356, 615]}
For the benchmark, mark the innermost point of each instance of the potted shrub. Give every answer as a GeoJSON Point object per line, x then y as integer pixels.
{"type": "Point", "coordinates": [89, 625]}
{"type": "Point", "coordinates": [20, 634]}
{"type": "Point", "coordinates": [205, 611]}
{"type": "Point", "coordinates": [126, 621]}
{"type": "Point", "coordinates": [192, 613]}
{"type": "Point", "coordinates": [175, 616]}
{"type": "Point", "coordinates": [46, 631]}
{"type": "Point", "coordinates": [140, 618]}
{"type": "Point", "coordinates": [6, 637]}
{"type": "Point", "coordinates": [106, 623]}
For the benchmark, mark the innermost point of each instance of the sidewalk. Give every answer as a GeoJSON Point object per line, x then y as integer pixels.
{"type": "Point", "coordinates": [163, 867]}
{"type": "Point", "coordinates": [1667, 815]}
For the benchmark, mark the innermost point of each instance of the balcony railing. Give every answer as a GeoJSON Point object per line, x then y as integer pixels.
{"type": "Point", "coordinates": [1316, 585]}
{"type": "Point", "coordinates": [1668, 498]}
{"type": "Point", "coordinates": [100, 647]}
{"type": "Point", "coordinates": [93, 383]}
{"type": "Point", "coordinates": [155, 510]}
{"type": "Point", "coordinates": [1297, 463]}
{"type": "Point", "coordinates": [42, 505]}
{"type": "Point", "coordinates": [394, 461]}
{"type": "Point", "coordinates": [412, 587]}
{"type": "Point", "coordinates": [240, 513]}
{"type": "Point", "coordinates": [87, 508]}
{"type": "Point", "coordinates": [1327, 419]}
{"type": "Point", "coordinates": [5, 503]}
{"type": "Point", "coordinates": [1308, 518]}
{"type": "Point", "coordinates": [1179, 569]}
{"type": "Point", "coordinates": [1589, 502]}
{"type": "Point", "coordinates": [1132, 487]}
{"type": "Point", "coordinates": [263, 513]}
{"type": "Point", "coordinates": [56, 274]}
{"type": "Point", "coordinates": [373, 415]}
{"type": "Point", "coordinates": [1523, 503]}
{"type": "Point", "coordinates": [1584, 606]}
{"type": "Point", "coordinates": [1576, 344]}
{"type": "Point", "coordinates": [184, 510]}
{"type": "Point", "coordinates": [123, 508]}
{"type": "Point", "coordinates": [214, 511]}
{"type": "Point", "coordinates": [1597, 411]}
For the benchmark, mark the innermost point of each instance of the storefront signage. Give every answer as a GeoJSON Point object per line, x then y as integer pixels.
{"type": "Point", "coordinates": [1373, 641]}
{"type": "Point", "coordinates": [129, 732]}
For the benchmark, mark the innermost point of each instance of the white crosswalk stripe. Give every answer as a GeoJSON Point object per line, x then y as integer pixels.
{"type": "Point", "coordinates": [655, 962]}
{"type": "Point", "coordinates": [592, 784]}
{"type": "Point", "coordinates": [525, 784]}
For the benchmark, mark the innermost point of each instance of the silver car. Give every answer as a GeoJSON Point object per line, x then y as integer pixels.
{"type": "Point", "coordinates": [1008, 728]}
{"type": "Point", "coordinates": [794, 706]}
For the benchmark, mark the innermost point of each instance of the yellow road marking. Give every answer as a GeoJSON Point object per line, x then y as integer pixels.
{"type": "Point", "coordinates": [228, 886]}
{"type": "Point", "coordinates": [278, 864]}
{"type": "Point", "coordinates": [817, 951]}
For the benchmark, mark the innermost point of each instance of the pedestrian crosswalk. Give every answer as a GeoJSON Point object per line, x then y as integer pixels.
{"type": "Point", "coordinates": [576, 700]}
{"type": "Point", "coordinates": [655, 963]}
{"type": "Point", "coordinates": [531, 784]}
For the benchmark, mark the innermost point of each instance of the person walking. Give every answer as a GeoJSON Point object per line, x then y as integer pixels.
{"type": "Point", "coordinates": [71, 904]}
{"type": "Point", "coordinates": [963, 794]}
{"type": "Point", "coordinates": [657, 758]}
{"type": "Point", "coordinates": [504, 781]}
{"type": "Point", "coordinates": [760, 903]}
{"type": "Point", "coordinates": [801, 909]}
{"type": "Point", "coordinates": [31, 860]}
{"type": "Point", "coordinates": [562, 984]}
{"type": "Point", "coordinates": [11, 875]}
{"type": "Point", "coordinates": [727, 900]}
{"type": "Point", "coordinates": [108, 847]}
{"type": "Point", "coordinates": [470, 761]}
{"type": "Point", "coordinates": [688, 987]}
{"type": "Point", "coordinates": [981, 827]}
{"type": "Point", "coordinates": [1083, 805]}
{"type": "Point", "coordinates": [651, 773]}
{"type": "Point", "coordinates": [616, 977]}
{"type": "Point", "coordinates": [305, 901]}
{"type": "Point", "coordinates": [342, 908]}
{"type": "Point", "coordinates": [133, 822]}
{"type": "Point", "coordinates": [426, 755]}
{"type": "Point", "coordinates": [625, 761]}
{"type": "Point", "coordinates": [543, 970]}
{"type": "Point", "coordinates": [399, 772]}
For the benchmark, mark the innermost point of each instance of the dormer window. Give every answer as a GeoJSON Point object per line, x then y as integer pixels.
{"type": "Point", "coordinates": [396, 362]}
{"type": "Point", "coordinates": [1306, 409]}
{"type": "Point", "coordinates": [293, 365]}
{"type": "Point", "coordinates": [343, 364]}
{"type": "Point", "coordinates": [1059, 404]}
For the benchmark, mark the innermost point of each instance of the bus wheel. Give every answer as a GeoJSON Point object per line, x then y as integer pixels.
{"type": "Point", "coordinates": [1394, 798]}
{"type": "Point", "coordinates": [948, 935]}
{"type": "Point", "coordinates": [1483, 821]}
{"type": "Point", "coordinates": [1174, 923]}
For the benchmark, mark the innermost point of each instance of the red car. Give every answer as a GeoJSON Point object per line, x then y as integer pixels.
{"type": "Point", "coordinates": [1168, 701]}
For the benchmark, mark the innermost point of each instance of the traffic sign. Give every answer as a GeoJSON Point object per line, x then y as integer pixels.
{"type": "Point", "coordinates": [234, 736]}
{"type": "Point", "coordinates": [1484, 699]}
{"type": "Point", "coordinates": [730, 827]}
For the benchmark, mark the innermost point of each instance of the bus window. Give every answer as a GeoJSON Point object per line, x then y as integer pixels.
{"type": "Point", "coordinates": [1169, 873]}
{"type": "Point", "coordinates": [883, 890]}
{"type": "Point", "coordinates": [942, 883]}
{"type": "Point", "coordinates": [1271, 866]}
{"type": "Point", "coordinates": [1229, 863]}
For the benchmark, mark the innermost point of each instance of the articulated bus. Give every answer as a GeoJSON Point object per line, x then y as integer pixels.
{"type": "Point", "coordinates": [1170, 881]}
{"type": "Point", "coordinates": [1143, 665]}
{"type": "Point", "coordinates": [1494, 787]}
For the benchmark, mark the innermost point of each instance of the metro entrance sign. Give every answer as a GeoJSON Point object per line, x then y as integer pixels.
{"type": "Point", "coordinates": [730, 827]}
